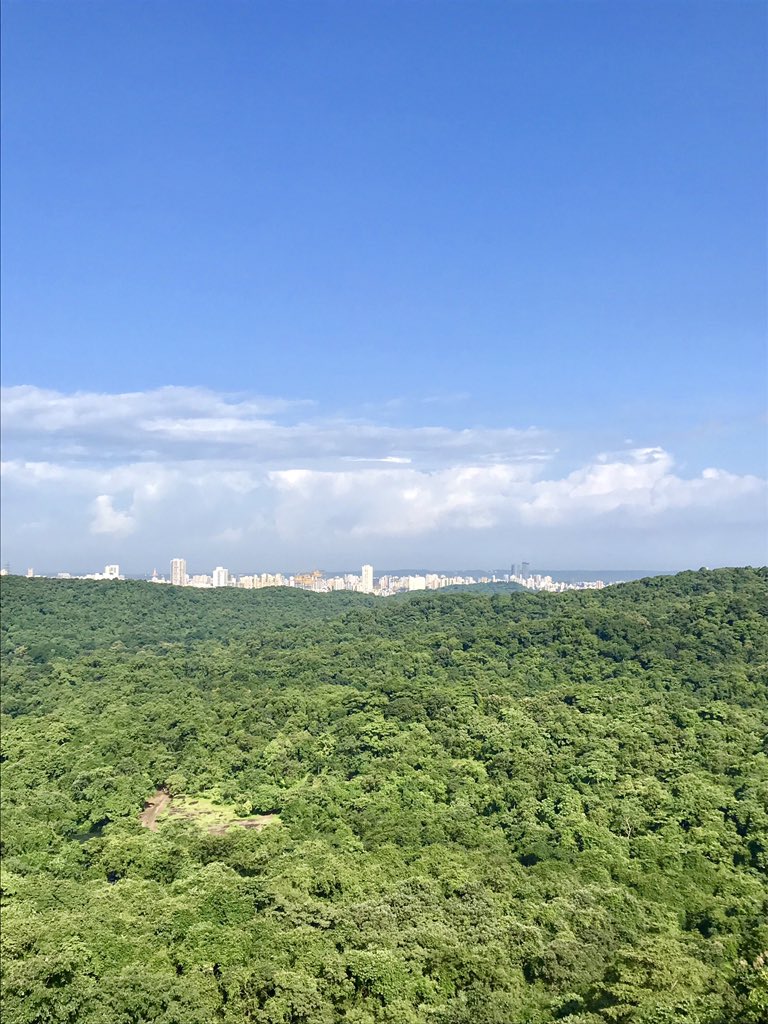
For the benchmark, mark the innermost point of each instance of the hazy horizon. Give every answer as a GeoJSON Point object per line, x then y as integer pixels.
{"type": "Point", "coordinates": [609, 575]}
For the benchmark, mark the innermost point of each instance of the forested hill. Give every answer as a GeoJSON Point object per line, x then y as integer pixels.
{"type": "Point", "coordinates": [64, 617]}
{"type": "Point", "coordinates": [466, 808]}
{"type": "Point", "coordinates": [485, 588]}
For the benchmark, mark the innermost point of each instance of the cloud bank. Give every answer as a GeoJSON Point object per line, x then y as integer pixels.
{"type": "Point", "coordinates": [270, 483]}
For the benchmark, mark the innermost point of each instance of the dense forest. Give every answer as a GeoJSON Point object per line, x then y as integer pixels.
{"type": "Point", "coordinates": [471, 808]}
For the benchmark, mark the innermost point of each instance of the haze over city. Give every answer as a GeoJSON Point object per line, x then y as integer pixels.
{"type": "Point", "coordinates": [365, 582]}
{"type": "Point", "coordinates": [312, 285]}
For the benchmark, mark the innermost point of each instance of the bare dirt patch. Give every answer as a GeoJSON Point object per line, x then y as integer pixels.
{"type": "Point", "coordinates": [206, 814]}
{"type": "Point", "coordinates": [154, 807]}
{"type": "Point", "coordinates": [259, 822]}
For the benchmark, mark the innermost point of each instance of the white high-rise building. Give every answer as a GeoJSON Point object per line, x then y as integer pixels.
{"type": "Point", "coordinates": [220, 576]}
{"type": "Point", "coordinates": [417, 582]}
{"type": "Point", "coordinates": [111, 572]}
{"type": "Point", "coordinates": [366, 579]}
{"type": "Point", "coordinates": [179, 572]}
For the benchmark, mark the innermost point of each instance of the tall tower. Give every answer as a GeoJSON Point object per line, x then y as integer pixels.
{"type": "Point", "coordinates": [220, 576]}
{"type": "Point", "coordinates": [525, 569]}
{"type": "Point", "coordinates": [179, 572]}
{"type": "Point", "coordinates": [366, 579]}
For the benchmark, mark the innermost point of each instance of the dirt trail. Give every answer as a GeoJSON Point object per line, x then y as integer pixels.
{"type": "Point", "coordinates": [154, 807]}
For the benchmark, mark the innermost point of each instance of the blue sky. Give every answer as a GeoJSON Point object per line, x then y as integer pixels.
{"type": "Point", "coordinates": [511, 243]}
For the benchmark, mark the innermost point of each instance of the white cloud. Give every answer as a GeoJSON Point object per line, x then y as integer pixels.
{"type": "Point", "coordinates": [640, 485]}
{"type": "Point", "coordinates": [39, 409]}
{"type": "Point", "coordinates": [107, 519]}
{"type": "Point", "coordinates": [145, 480]}
{"type": "Point", "coordinates": [398, 460]}
{"type": "Point", "coordinates": [230, 535]}
{"type": "Point", "coordinates": [190, 424]}
{"type": "Point", "coordinates": [391, 502]}
{"type": "Point", "coordinates": [161, 466]}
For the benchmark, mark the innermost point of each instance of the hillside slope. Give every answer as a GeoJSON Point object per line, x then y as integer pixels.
{"type": "Point", "coordinates": [64, 617]}
{"type": "Point", "coordinates": [488, 809]}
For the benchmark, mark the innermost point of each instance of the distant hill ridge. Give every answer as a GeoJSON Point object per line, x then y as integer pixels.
{"type": "Point", "coordinates": [63, 617]}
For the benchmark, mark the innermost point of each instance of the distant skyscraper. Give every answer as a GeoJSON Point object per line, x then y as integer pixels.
{"type": "Point", "coordinates": [220, 576]}
{"type": "Point", "coordinates": [417, 582]}
{"type": "Point", "coordinates": [111, 572]}
{"type": "Point", "coordinates": [179, 572]}
{"type": "Point", "coordinates": [525, 569]}
{"type": "Point", "coordinates": [366, 579]}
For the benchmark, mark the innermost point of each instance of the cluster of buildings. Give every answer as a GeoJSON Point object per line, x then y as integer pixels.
{"type": "Point", "coordinates": [320, 583]}
{"type": "Point", "coordinates": [111, 572]}
{"type": "Point", "coordinates": [364, 583]}
{"type": "Point", "coordinates": [222, 577]}
{"type": "Point", "coordinates": [537, 582]}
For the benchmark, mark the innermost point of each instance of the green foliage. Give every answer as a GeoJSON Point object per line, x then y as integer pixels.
{"type": "Point", "coordinates": [44, 619]}
{"type": "Point", "coordinates": [495, 808]}
{"type": "Point", "coordinates": [485, 588]}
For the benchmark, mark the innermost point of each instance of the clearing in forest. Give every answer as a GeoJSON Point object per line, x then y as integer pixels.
{"type": "Point", "coordinates": [207, 814]}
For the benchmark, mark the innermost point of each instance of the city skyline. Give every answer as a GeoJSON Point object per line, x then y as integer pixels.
{"type": "Point", "coordinates": [180, 567]}
{"type": "Point", "coordinates": [184, 569]}
{"type": "Point", "coordinates": [384, 584]}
